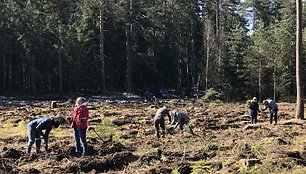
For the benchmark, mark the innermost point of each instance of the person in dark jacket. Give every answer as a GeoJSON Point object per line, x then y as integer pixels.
{"type": "Point", "coordinates": [159, 120]}
{"type": "Point", "coordinates": [181, 119]}
{"type": "Point", "coordinates": [79, 125]}
{"type": "Point", "coordinates": [273, 108]}
{"type": "Point", "coordinates": [253, 110]}
{"type": "Point", "coordinates": [35, 132]}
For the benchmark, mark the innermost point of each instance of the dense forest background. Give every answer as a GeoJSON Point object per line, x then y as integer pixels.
{"type": "Point", "coordinates": [239, 49]}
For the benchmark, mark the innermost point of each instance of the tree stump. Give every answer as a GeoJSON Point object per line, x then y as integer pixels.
{"type": "Point", "coordinates": [53, 104]}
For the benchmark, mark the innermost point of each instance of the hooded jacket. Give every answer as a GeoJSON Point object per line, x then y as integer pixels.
{"type": "Point", "coordinates": [79, 117]}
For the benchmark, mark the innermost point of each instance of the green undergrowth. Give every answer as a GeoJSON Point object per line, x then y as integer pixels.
{"type": "Point", "coordinates": [107, 129]}
{"type": "Point", "coordinates": [269, 168]}
{"type": "Point", "coordinates": [201, 167]}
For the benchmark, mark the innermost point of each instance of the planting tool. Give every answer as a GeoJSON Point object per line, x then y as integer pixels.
{"type": "Point", "coordinates": [93, 129]}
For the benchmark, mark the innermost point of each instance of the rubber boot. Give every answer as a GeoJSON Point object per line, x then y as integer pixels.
{"type": "Point", "coordinates": [37, 144]}
{"type": "Point", "coordinates": [190, 130]}
{"type": "Point", "coordinates": [28, 150]}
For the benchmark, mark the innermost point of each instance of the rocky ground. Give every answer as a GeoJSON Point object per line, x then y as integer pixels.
{"type": "Point", "coordinates": [121, 140]}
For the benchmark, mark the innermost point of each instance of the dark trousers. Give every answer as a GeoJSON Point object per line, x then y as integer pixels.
{"type": "Point", "coordinates": [159, 123]}
{"type": "Point", "coordinates": [181, 126]}
{"type": "Point", "coordinates": [80, 134]}
{"type": "Point", "coordinates": [273, 114]}
{"type": "Point", "coordinates": [254, 119]}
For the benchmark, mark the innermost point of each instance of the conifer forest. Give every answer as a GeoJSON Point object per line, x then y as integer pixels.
{"type": "Point", "coordinates": [237, 48]}
{"type": "Point", "coordinates": [152, 86]}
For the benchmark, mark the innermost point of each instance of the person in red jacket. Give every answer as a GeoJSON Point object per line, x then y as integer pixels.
{"type": "Point", "coordinates": [79, 125]}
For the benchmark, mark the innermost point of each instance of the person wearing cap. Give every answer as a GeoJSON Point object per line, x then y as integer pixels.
{"type": "Point", "coordinates": [35, 132]}
{"type": "Point", "coordinates": [181, 119]}
{"type": "Point", "coordinates": [79, 125]}
{"type": "Point", "coordinates": [273, 108]}
{"type": "Point", "coordinates": [159, 120]}
{"type": "Point", "coordinates": [253, 110]}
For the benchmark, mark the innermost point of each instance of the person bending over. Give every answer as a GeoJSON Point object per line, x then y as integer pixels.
{"type": "Point", "coordinates": [35, 132]}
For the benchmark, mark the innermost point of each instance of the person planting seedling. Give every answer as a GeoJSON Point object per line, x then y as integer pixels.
{"type": "Point", "coordinates": [273, 108]}
{"type": "Point", "coordinates": [35, 132]}
{"type": "Point", "coordinates": [159, 120]}
{"type": "Point", "coordinates": [181, 119]}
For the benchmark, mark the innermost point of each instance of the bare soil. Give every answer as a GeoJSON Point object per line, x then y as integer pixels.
{"type": "Point", "coordinates": [225, 140]}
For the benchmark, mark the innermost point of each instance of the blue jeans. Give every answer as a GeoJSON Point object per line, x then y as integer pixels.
{"type": "Point", "coordinates": [34, 137]}
{"type": "Point", "coordinates": [80, 134]}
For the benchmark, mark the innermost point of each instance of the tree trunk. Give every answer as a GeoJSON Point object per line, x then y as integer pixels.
{"type": "Point", "coordinates": [60, 74]}
{"type": "Point", "coordinates": [128, 59]}
{"type": "Point", "coordinates": [9, 86]}
{"type": "Point", "coordinates": [299, 63]}
{"type": "Point", "coordinates": [178, 68]}
{"type": "Point", "coordinates": [4, 71]}
{"type": "Point", "coordinates": [253, 15]}
{"type": "Point", "coordinates": [33, 75]}
{"type": "Point", "coordinates": [207, 62]}
{"type": "Point", "coordinates": [102, 7]}
{"type": "Point", "coordinates": [70, 78]}
{"type": "Point", "coordinates": [194, 68]}
{"type": "Point", "coordinates": [259, 78]}
{"type": "Point", "coordinates": [59, 52]}
{"type": "Point", "coordinates": [49, 77]}
{"type": "Point", "coordinates": [207, 33]}
{"type": "Point", "coordinates": [23, 72]}
{"type": "Point", "coordinates": [128, 45]}
{"type": "Point", "coordinates": [194, 60]}
{"type": "Point", "coordinates": [274, 80]}
{"type": "Point", "coordinates": [218, 33]}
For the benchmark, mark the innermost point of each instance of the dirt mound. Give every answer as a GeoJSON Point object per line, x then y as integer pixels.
{"type": "Point", "coordinates": [121, 122]}
{"type": "Point", "coordinates": [160, 169]}
{"type": "Point", "coordinates": [11, 153]}
{"type": "Point", "coordinates": [114, 161]}
{"type": "Point", "coordinates": [148, 158]}
{"type": "Point", "coordinates": [111, 147]}
{"type": "Point", "coordinates": [33, 171]}
{"type": "Point", "coordinates": [185, 168]}
{"type": "Point", "coordinates": [196, 156]}
{"type": "Point", "coordinates": [5, 166]}
{"type": "Point", "coordinates": [63, 150]}
{"type": "Point", "coordinates": [15, 140]}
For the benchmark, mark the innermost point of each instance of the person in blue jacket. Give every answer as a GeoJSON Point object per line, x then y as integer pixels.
{"type": "Point", "coordinates": [35, 132]}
